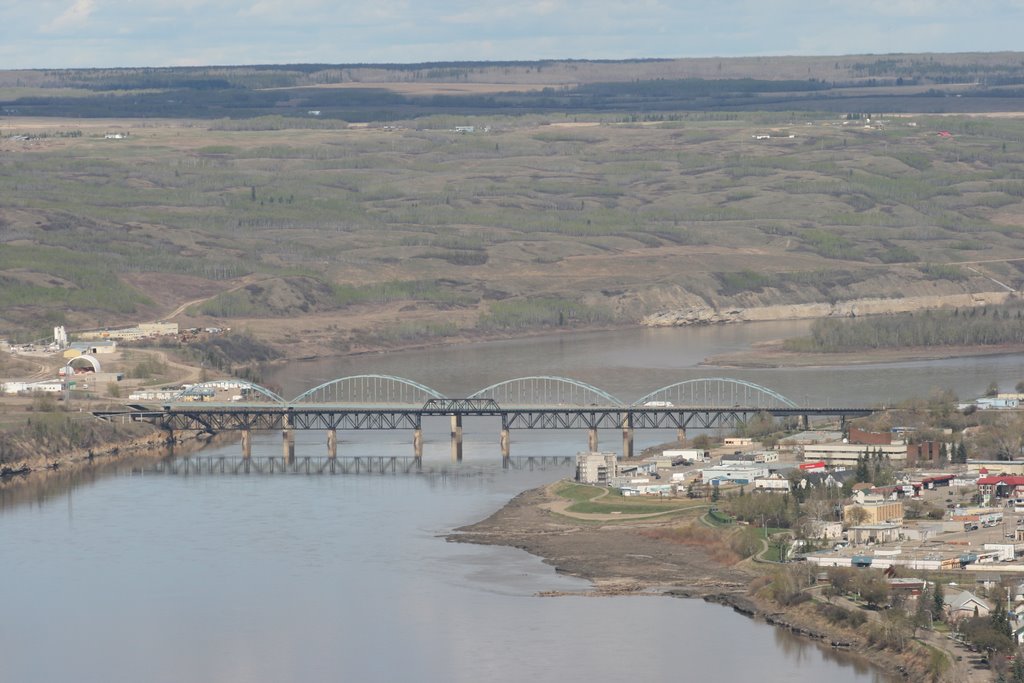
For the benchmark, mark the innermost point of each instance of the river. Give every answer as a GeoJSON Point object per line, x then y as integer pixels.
{"type": "Point", "coordinates": [133, 576]}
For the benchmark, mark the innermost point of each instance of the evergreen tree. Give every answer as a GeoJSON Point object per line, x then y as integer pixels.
{"type": "Point", "coordinates": [938, 601]}
{"type": "Point", "coordinates": [999, 619]}
{"type": "Point", "coordinates": [862, 467]}
{"type": "Point", "coordinates": [961, 453]}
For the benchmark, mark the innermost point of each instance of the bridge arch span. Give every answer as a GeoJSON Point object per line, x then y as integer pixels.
{"type": "Point", "coordinates": [370, 390]}
{"type": "Point", "coordinates": [715, 392]}
{"type": "Point", "coordinates": [221, 390]}
{"type": "Point", "coordinates": [547, 391]}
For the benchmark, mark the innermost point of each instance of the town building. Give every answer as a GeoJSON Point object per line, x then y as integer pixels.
{"type": "Point", "coordinates": [875, 510]}
{"type": "Point", "coordinates": [774, 482]}
{"type": "Point", "coordinates": [595, 467]}
{"type": "Point", "coordinates": [682, 456]}
{"type": "Point", "coordinates": [1001, 486]}
{"type": "Point", "coordinates": [847, 454]}
{"type": "Point", "coordinates": [882, 532]}
{"type": "Point", "coordinates": [142, 331]}
{"type": "Point", "coordinates": [738, 474]}
{"type": "Point", "coordinates": [926, 452]}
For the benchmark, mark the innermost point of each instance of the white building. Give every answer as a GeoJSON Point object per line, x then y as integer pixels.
{"type": "Point", "coordinates": [849, 453]}
{"type": "Point", "coordinates": [740, 474]}
{"type": "Point", "coordinates": [691, 454]}
{"type": "Point", "coordinates": [773, 482]}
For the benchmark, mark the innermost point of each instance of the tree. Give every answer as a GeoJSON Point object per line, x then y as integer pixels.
{"type": "Point", "coordinates": [854, 515]}
{"type": "Point", "coordinates": [999, 619]}
{"type": "Point", "coordinates": [922, 615]}
{"type": "Point", "coordinates": [993, 389]}
{"type": "Point", "coordinates": [872, 586]}
{"type": "Point", "coordinates": [862, 474]}
{"type": "Point", "coordinates": [938, 601]}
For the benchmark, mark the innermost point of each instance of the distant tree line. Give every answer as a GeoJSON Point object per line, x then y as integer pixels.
{"type": "Point", "coordinates": [973, 326]}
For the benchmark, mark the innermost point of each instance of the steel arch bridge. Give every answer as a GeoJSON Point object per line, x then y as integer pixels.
{"type": "Point", "coordinates": [546, 391]}
{"type": "Point", "coordinates": [369, 390]}
{"type": "Point", "coordinates": [249, 392]}
{"type": "Point", "coordinates": [714, 392]}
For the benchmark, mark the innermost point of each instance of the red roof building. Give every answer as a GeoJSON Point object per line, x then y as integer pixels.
{"type": "Point", "coordinates": [1004, 486]}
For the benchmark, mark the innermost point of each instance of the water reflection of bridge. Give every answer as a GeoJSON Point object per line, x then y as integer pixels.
{"type": "Point", "coordinates": [382, 402]}
{"type": "Point", "coordinates": [326, 465]}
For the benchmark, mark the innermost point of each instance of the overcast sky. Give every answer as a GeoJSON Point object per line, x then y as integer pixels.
{"type": "Point", "coordinates": [107, 33]}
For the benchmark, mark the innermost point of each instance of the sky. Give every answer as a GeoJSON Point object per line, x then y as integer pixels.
{"type": "Point", "coordinates": [112, 33]}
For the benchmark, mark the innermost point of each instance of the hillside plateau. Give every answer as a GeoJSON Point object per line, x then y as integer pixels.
{"type": "Point", "coordinates": [585, 194]}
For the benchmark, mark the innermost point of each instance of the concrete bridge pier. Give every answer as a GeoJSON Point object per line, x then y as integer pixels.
{"type": "Point", "coordinates": [681, 436]}
{"type": "Point", "coordinates": [592, 439]}
{"type": "Point", "coordinates": [506, 444]}
{"type": "Point", "coordinates": [456, 438]}
{"type": "Point", "coordinates": [332, 443]}
{"type": "Point", "coordinates": [288, 439]}
{"type": "Point", "coordinates": [805, 422]}
{"type": "Point", "coordinates": [417, 443]}
{"type": "Point", "coordinates": [246, 444]}
{"type": "Point", "coordinates": [627, 435]}
{"type": "Point", "coordinates": [288, 445]}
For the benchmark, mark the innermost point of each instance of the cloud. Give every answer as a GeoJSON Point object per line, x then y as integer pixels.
{"type": "Point", "coordinates": [71, 18]}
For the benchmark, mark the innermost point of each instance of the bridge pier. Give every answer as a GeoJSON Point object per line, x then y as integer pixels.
{"type": "Point", "coordinates": [681, 436]}
{"type": "Point", "coordinates": [456, 438]}
{"type": "Point", "coordinates": [417, 443]}
{"type": "Point", "coordinates": [332, 443]}
{"type": "Point", "coordinates": [506, 444]}
{"type": "Point", "coordinates": [592, 439]}
{"type": "Point", "coordinates": [246, 444]}
{"type": "Point", "coordinates": [288, 438]}
{"type": "Point", "coordinates": [627, 436]}
{"type": "Point", "coordinates": [288, 445]}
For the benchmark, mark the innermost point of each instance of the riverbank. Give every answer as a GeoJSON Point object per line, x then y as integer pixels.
{"type": "Point", "coordinates": [772, 354]}
{"type": "Point", "coordinates": [133, 441]}
{"type": "Point", "coordinates": [644, 555]}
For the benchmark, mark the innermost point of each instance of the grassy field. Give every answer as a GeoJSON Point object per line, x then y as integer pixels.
{"type": "Point", "coordinates": [406, 231]}
{"type": "Point", "coordinates": [588, 500]}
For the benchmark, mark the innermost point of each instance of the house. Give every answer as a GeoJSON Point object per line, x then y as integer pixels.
{"type": "Point", "coordinates": [831, 480]}
{"type": "Point", "coordinates": [966, 604]}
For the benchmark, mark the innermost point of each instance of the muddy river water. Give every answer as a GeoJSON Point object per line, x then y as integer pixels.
{"type": "Point", "coordinates": [128, 575]}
